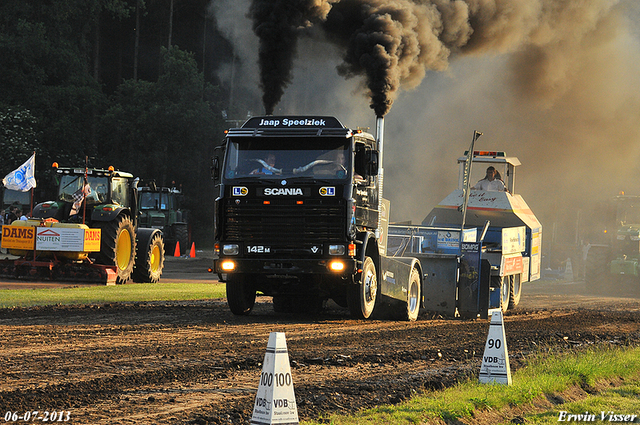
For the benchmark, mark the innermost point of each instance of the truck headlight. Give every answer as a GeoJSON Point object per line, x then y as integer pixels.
{"type": "Point", "coordinates": [336, 250]}
{"type": "Point", "coordinates": [634, 237]}
{"type": "Point", "coordinates": [231, 249]}
{"type": "Point", "coordinates": [336, 266]}
{"type": "Point", "coordinates": [228, 265]}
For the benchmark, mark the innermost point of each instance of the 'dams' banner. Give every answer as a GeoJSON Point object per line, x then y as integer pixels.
{"type": "Point", "coordinates": [18, 237]}
{"type": "Point", "coordinates": [92, 240]}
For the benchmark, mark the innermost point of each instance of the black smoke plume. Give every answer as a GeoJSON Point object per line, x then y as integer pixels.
{"type": "Point", "coordinates": [394, 43]}
{"type": "Point", "coordinates": [277, 24]}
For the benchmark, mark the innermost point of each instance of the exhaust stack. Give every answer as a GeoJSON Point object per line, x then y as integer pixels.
{"type": "Point", "coordinates": [380, 140]}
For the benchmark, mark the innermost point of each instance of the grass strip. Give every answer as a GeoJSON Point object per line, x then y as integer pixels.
{"type": "Point", "coordinates": [109, 294]}
{"type": "Point", "coordinates": [592, 371]}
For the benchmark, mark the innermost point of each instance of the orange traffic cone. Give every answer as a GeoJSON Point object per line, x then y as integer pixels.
{"type": "Point", "coordinates": [192, 254]}
{"type": "Point", "coordinates": [177, 251]}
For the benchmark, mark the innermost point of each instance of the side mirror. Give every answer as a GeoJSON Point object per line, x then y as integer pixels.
{"type": "Point", "coordinates": [216, 162]}
{"type": "Point", "coordinates": [373, 161]}
{"type": "Point", "coordinates": [215, 169]}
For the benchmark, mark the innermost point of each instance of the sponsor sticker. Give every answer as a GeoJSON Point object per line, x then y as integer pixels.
{"type": "Point", "coordinates": [240, 191]}
{"type": "Point", "coordinates": [18, 237]}
{"type": "Point", "coordinates": [59, 239]}
{"type": "Point", "coordinates": [327, 191]}
{"type": "Point", "coordinates": [92, 240]}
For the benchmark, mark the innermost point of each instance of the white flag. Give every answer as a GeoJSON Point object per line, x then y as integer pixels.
{"type": "Point", "coordinates": [23, 178]}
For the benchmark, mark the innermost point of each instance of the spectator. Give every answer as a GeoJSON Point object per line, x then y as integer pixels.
{"type": "Point", "coordinates": [12, 215]}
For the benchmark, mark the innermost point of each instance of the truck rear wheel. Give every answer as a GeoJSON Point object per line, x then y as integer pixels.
{"type": "Point", "coordinates": [516, 291]}
{"type": "Point", "coordinates": [118, 246]}
{"type": "Point", "coordinates": [362, 297]}
{"type": "Point", "coordinates": [241, 296]}
{"type": "Point", "coordinates": [150, 262]}
{"type": "Point", "coordinates": [412, 306]}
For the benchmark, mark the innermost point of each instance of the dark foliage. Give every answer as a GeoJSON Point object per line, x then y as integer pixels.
{"type": "Point", "coordinates": [73, 85]}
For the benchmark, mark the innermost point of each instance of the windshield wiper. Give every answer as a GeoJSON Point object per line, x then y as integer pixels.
{"type": "Point", "coordinates": [253, 180]}
{"type": "Point", "coordinates": [308, 179]}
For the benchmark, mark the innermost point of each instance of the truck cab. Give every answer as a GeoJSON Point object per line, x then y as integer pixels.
{"type": "Point", "coordinates": [296, 213]}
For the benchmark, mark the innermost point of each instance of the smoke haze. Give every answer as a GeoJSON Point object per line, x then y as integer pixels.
{"type": "Point", "coordinates": [393, 43]}
{"type": "Point", "coordinates": [555, 83]}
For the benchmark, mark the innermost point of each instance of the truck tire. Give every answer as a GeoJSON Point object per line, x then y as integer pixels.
{"type": "Point", "coordinates": [596, 271]}
{"type": "Point", "coordinates": [182, 236]}
{"type": "Point", "coordinates": [118, 246]}
{"type": "Point", "coordinates": [515, 292]}
{"type": "Point", "coordinates": [241, 296]}
{"type": "Point", "coordinates": [412, 306]}
{"type": "Point", "coordinates": [149, 262]}
{"type": "Point", "coordinates": [363, 296]}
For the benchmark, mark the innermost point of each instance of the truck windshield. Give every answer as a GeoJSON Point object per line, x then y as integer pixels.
{"type": "Point", "coordinates": [264, 158]}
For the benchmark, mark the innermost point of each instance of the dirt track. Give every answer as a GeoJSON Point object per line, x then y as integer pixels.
{"type": "Point", "coordinates": [196, 363]}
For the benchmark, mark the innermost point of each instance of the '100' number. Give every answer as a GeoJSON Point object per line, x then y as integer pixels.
{"type": "Point", "coordinates": [281, 379]}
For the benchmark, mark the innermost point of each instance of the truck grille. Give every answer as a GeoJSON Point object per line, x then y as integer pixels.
{"type": "Point", "coordinates": [284, 223]}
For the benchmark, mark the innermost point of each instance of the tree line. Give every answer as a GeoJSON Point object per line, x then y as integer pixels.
{"type": "Point", "coordinates": [128, 83]}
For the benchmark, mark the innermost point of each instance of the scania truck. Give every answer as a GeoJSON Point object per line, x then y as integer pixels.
{"type": "Point", "coordinates": [299, 217]}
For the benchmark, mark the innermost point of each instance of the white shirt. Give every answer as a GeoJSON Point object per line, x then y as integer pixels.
{"type": "Point", "coordinates": [495, 185]}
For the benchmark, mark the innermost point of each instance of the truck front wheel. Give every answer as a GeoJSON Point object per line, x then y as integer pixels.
{"type": "Point", "coordinates": [362, 297]}
{"type": "Point", "coordinates": [241, 296]}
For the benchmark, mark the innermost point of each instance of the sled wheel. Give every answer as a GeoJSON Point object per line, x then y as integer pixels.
{"type": "Point", "coordinates": [516, 291]}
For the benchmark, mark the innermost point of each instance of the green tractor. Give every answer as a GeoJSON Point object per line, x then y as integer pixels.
{"type": "Point", "coordinates": [106, 200]}
{"type": "Point", "coordinates": [612, 261]}
{"type": "Point", "coordinates": [161, 208]}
